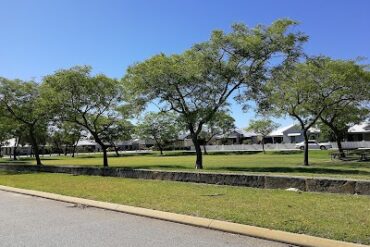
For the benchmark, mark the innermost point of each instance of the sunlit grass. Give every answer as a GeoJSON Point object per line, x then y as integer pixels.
{"type": "Point", "coordinates": [271, 163]}
{"type": "Point", "coordinates": [342, 217]}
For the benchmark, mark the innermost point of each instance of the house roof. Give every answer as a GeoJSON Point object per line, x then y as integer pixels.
{"type": "Point", "coordinates": [280, 131]}
{"type": "Point", "coordinates": [246, 133]}
{"type": "Point", "coordinates": [363, 127]}
{"type": "Point", "coordinates": [11, 143]}
{"type": "Point", "coordinates": [183, 136]}
{"type": "Point", "coordinates": [237, 132]}
{"type": "Point", "coordinates": [86, 143]}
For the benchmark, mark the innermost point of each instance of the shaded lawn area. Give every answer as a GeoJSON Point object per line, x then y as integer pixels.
{"type": "Point", "coordinates": [282, 163]}
{"type": "Point", "coordinates": [341, 217]}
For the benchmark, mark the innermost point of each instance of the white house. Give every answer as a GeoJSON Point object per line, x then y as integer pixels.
{"type": "Point", "coordinates": [9, 145]}
{"type": "Point", "coordinates": [291, 134]}
{"type": "Point", "coordinates": [359, 132]}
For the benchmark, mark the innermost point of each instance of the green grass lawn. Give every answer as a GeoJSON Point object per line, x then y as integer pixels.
{"type": "Point", "coordinates": [286, 163]}
{"type": "Point", "coordinates": [341, 217]}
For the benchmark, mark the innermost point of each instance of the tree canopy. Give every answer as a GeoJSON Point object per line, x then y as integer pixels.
{"type": "Point", "coordinates": [308, 89]}
{"type": "Point", "coordinates": [162, 127]}
{"type": "Point", "coordinates": [197, 83]}
{"type": "Point", "coordinates": [25, 103]}
{"type": "Point", "coordinates": [90, 101]}
{"type": "Point", "coordinates": [262, 127]}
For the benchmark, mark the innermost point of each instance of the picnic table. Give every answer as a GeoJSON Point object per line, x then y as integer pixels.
{"type": "Point", "coordinates": [364, 153]}
{"type": "Point", "coordinates": [353, 153]}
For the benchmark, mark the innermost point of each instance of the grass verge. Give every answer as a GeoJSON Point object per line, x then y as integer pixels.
{"type": "Point", "coordinates": [282, 163]}
{"type": "Point", "coordinates": [341, 217]}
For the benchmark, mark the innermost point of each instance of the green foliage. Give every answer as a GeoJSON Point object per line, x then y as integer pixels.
{"type": "Point", "coordinates": [314, 88]}
{"type": "Point", "coordinates": [353, 108]}
{"type": "Point", "coordinates": [308, 89]}
{"type": "Point", "coordinates": [197, 83]}
{"type": "Point", "coordinates": [162, 127]}
{"type": "Point", "coordinates": [92, 102]}
{"type": "Point", "coordinates": [24, 102]}
{"type": "Point", "coordinates": [262, 127]}
{"type": "Point", "coordinates": [64, 135]}
{"type": "Point", "coordinates": [5, 129]}
{"type": "Point", "coordinates": [221, 125]}
{"type": "Point", "coordinates": [118, 131]}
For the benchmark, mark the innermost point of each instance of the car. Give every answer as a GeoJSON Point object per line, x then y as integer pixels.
{"type": "Point", "coordinates": [312, 144]}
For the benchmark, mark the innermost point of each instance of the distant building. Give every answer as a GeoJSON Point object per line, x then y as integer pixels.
{"type": "Point", "coordinates": [291, 134]}
{"type": "Point", "coordinates": [237, 136]}
{"type": "Point", "coordinates": [359, 132]}
{"type": "Point", "coordinates": [135, 144]}
{"type": "Point", "coordinates": [11, 144]}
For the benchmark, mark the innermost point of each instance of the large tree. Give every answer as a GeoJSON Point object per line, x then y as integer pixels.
{"type": "Point", "coordinates": [197, 83]}
{"type": "Point", "coordinates": [262, 127]}
{"type": "Point", "coordinates": [23, 102]}
{"type": "Point", "coordinates": [119, 131]}
{"type": "Point", "coordinates": [162, 127]}
{"type": "Point", "coordinates": [90, 101]}
{"type": "Point", "coordinates": [221, 125]}
{"type": "Point", "coordinates": [64, 136]}
{"type": "Point", "coordinates": [5, 130]}
{"type": "Point", "coordinates": [340, 118]}
{"type": "Point", "coordinates": [311, 88]}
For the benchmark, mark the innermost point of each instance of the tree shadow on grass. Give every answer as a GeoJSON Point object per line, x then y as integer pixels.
{"type": "Point", "coordinates": [161, 167]}
{"type": "Point", "coordinates": [287, 152]}
{"type": "Point", "coordinates": [349, 164]}
{"type": "Point", "coordinates": [313, 170]}
{"type": "Point", "coordinates": [17, 162]}
{"type": "Point", "coordinates": [3, 172]}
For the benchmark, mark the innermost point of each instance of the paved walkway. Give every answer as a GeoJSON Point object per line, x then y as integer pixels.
{"type": "Point", "coordinates": [31, 221]}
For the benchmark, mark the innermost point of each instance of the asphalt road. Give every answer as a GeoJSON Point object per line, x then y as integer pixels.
{"type": "Point", "coordinates": [31, 221]}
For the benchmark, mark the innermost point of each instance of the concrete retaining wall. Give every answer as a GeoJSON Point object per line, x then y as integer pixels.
{"type": "Point", "coordinates": [361, 187]}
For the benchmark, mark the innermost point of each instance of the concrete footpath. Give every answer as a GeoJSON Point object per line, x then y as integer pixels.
{"type": "Point", "coordinates": [33, 221]}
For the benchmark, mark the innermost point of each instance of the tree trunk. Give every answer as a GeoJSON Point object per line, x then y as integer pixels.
{"type": "Point", "coordinates": [74, 150]}
{"type": "Point", "coordinates": [105, 156]}
{"type": "Point", "coordinates": [15, 148]}
{"type": "Point", "coordinates": [305, 161]}
{"type": "Point", "coordinates": [59, 150]}
{"type": "Point", "coordinates": [204, 149]}
{"type": "Point", "coordinates": [198, 150]}
{"type": "Point", "coordinates": [35, 146]}
{"type": "Point", "coordinates": [159, 145]}
{"type": "Point", "coordinates": [263, 146]}
{"type": "Point", "coordinates": [15, 152]}
{"type": "Point", "coordinates": [116, 150]}
{"type": "Point", "coordinates": [340, 148]}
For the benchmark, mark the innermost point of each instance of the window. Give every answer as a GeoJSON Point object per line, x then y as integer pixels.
{"type": "Point", "coordinates": [292, 139]}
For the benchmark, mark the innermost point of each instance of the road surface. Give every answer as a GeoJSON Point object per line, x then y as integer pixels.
{"type": "Point", "coordinates": [32, 221]}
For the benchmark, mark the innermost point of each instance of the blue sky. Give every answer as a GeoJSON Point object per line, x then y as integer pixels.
{"type": "Point", "coordinates": [41, 36]}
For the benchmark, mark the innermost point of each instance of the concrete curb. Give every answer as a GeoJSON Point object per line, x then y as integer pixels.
{"type": "Point", "coordinates": [252, 231]}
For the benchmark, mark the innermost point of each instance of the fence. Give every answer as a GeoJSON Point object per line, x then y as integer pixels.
{"type": "Point", "coordinates": [249, 147]}
{"type": "Point", "coordinates": [361, 144]}
{"type": "Point", "coordinates": [277, 146]}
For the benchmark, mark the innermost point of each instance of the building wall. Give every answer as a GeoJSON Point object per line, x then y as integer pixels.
{"type": "Point", "coordinates": [299, 138]}
{"type": "Point", "coordinates": [356, 137]}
